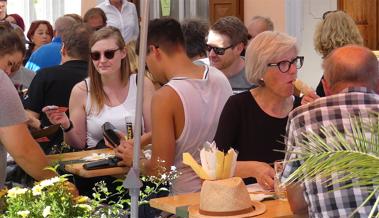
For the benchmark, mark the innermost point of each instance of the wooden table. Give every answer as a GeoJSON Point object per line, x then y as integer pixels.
{"type": "Point", "coordinates": [174, 205]}
{"type": "Point", "coordinates": [77, 168]}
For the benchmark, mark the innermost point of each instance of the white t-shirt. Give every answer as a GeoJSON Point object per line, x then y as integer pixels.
{"type": "Point", "coordinates": [126, 20]}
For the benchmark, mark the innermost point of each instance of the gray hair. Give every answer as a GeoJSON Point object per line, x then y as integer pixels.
{"type": "Point", "coordinates": [62, 24]}
{"type": "Point", "coordinates": [266, 20]}
{"type": "Point", "coordinates": [263, 49]}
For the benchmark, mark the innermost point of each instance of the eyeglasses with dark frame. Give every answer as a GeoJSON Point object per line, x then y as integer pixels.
{"type": "Point", "coordinates": [108, 54]}
{"type": "Point", "coordinates": [217, 50]}
{"type": "Point", "coordinates": [284, 66]}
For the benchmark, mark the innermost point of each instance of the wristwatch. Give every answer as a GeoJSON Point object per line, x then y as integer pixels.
{"type": "Point", "coordinates": [69, 127]}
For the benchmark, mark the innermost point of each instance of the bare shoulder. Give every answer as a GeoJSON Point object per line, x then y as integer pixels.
{"type": "Point", "coordinates": [165, 92]}
{"type": "Point", "coordinates": [80, 87]}
{"type": "Point", "coordinates": [79, 91]}
{"type": "Point", "coordinates": [166, 97]}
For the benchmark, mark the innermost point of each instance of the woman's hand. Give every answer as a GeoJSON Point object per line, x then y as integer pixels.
{"type": "Point", "coordinates": [265, 176]}
{"type": "Point", "coordinates": [308, 98]}
{"type": "Point", "coordinates": [125, 152]}
{"type": "Point", "coordinates": [56, 116]}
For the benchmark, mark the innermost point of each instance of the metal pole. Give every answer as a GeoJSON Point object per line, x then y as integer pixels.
{"type": "Point", "coordinates": [132, 181]}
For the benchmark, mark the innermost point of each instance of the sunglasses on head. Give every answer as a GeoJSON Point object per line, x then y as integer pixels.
{"type": "Point", "coordinates": [108, 54]}
{"type": "Point", "coordinates": [218, 51]}
{"type": "Point", "coordinates": [326, 14]}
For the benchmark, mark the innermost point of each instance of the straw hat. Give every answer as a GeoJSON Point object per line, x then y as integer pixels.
{"type": "Point", "coordinates": [226, 198]}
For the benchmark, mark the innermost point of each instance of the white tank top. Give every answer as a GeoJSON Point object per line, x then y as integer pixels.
{"type": "Point", "coordinates": [118, 115]}
{"type": "Point", "coordinates": [203, 101]}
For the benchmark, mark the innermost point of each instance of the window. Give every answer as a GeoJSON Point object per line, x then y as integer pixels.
{"type": "Point", "coordinates": [181, 9]}
{"type": "Point", "coordinates": [50, 10]}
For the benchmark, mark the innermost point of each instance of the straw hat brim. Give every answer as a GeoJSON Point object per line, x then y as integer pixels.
{"type": "Point", "coordinates": [259, 208]}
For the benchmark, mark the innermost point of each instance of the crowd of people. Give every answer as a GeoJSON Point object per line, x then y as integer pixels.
{"type": "Point", "coordinates": [225, 82]}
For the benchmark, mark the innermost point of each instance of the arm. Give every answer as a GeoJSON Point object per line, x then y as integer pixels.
{"type": "Point", "coordinates": [166, 106]}
{"type": "Point", "coordinates": [147, 98]}
{"type": "Point", "coordinates": [77, 137]}
{"type": "Point", "coordinates": [296, 199]}
{"type": "Point", "coordinates": [26, 152]}
{"type": "Point", "coordinates": [163, 105]}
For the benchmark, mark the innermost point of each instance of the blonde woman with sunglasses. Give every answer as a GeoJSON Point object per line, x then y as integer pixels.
{"type": "Point", "coordinates": [108, 95]}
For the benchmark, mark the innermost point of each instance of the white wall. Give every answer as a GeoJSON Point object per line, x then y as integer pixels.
{"type": "Point", "coordinates": [297, 18]}
{"type": "Point", "coordinates": [312, 14]}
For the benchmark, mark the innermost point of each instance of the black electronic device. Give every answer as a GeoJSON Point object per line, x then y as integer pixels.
{"type": "Point", "coordinates": [109, 132]}
{"type": "Point", "coordinates": [101, 164]}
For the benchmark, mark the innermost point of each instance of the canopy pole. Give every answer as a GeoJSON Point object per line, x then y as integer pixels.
{"type": "Point", "coordinates": [132, 181]}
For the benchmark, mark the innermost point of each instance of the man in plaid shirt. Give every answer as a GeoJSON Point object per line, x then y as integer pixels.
{"type": "Point", "coordinates": [350, 81]}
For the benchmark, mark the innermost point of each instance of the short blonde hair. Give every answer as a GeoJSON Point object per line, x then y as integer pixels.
{"type": "Point", "coordinates": [263, 49]}
{"type": "Point", "coordinates": [336, 30]}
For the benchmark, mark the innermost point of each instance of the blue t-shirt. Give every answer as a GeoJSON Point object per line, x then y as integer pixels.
{"type": "Point", "coordinates": [46, 56]}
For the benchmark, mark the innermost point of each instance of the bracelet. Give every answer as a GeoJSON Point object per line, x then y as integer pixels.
{"type": "Point", "coordinates": [69, 127]}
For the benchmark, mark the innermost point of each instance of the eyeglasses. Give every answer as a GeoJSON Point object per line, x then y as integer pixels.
{"type": "Point", "coordinates": [217, 51]}
{"type": "Point", "coordinates": [108, 54]}
{"type": "Point", "coordinates": [284, 66]}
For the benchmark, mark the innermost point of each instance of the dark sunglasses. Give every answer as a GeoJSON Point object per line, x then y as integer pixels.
{"type": "Point", "coordinates": [284, 66]}
{"type": "Point", "coordinates": [108, 54]}
{"type": "Point", "coordinates": [217, 51]}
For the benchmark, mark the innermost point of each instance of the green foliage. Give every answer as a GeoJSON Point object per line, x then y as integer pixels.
{"type": "Point", "coordinates": [156, 184]}
{"type": "Point", "coordinates": [353, 154]}
{"type": "Point", "coordinates": [48, 198]}
{"type": "Point", "coordinates": [52, 198]}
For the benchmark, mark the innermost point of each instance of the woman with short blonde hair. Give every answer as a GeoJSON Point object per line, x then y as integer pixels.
{"type": "Point", "coordinates": [253, 122]}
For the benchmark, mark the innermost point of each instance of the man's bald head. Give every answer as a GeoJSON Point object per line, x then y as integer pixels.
{"type": "Point", "coordinates": [259, 24]}
{"type": "Point", "coordinates": [351, 66]}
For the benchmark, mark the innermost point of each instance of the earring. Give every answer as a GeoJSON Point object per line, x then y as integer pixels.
{"type": "Point", "coordinates": [261, 82]}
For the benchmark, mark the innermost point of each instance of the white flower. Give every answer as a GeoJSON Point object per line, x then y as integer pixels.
{"type": "Point", "coordinates": [37, 190]}
{"type": "Point", "coordinates": [163, 176]}
{"type": "Point", "coordinates": [84, 206]}
{"type": "Point", "coordinates": [23, 213]}
{"type": "Point", "coordinates": [49, 182]}
{"type": "Point", "coordinates": [46, 212]}
{"type": "Point", "coordinates": [173, 168]}
{"type": "Point", "coordinates": [103, 215]}
{"type": "Point", "coordinates": [13, 192]}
